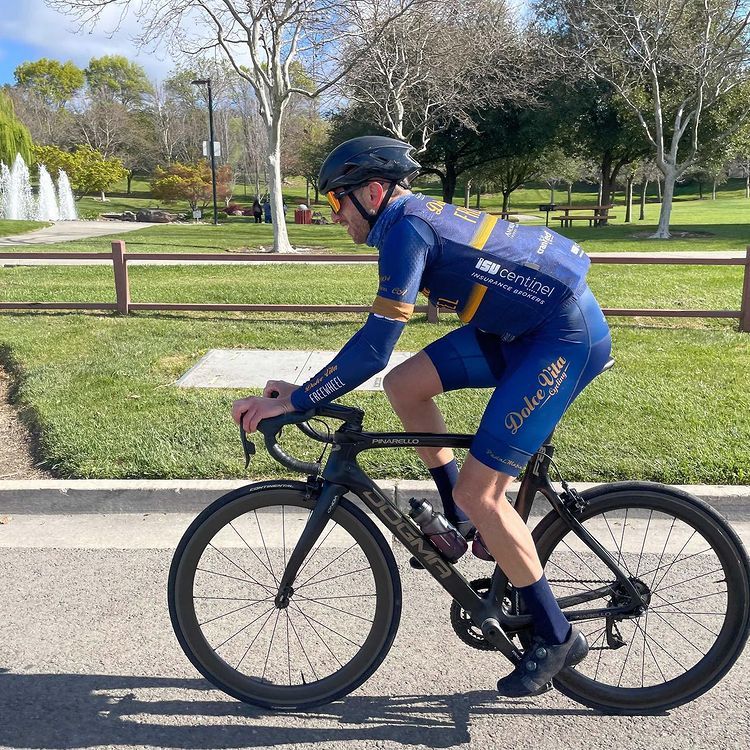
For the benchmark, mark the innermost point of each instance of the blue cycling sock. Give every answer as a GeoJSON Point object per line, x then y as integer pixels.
{"type": "Point", "coordinates": [445, 478]}
{"type": "Point", "coordinates": [549, 621]}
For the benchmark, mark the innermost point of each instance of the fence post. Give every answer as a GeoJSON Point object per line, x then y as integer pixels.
{"type": "Point", "coordinates": [122, 289]}
{"type": "Point", "coordinates": [745, 304]}
{"type": "Point", "coordinates": [432, 312]}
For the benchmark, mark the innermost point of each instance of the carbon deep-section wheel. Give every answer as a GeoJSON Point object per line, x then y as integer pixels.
{"type": "Point", "coordinates": [311, 648]}
{"type": "Point", "coordinates": [690, 568]}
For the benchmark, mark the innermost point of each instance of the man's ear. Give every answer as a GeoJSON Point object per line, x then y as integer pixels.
{"type": "Point", "coordinates": [376, 193]}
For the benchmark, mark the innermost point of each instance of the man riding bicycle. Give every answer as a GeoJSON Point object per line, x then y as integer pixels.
{"type": "Point", "coordinates": [532, 331]}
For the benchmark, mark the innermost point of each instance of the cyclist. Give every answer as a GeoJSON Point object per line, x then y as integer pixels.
{"type": "Point", "coordinates": [532, 331]}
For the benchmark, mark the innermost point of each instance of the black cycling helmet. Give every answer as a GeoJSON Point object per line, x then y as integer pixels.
{"type": "Point", "coordinates": [369, 157]}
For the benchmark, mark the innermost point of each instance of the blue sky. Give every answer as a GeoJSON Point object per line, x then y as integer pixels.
{"type": "Point", "coordinates": [30, 30]}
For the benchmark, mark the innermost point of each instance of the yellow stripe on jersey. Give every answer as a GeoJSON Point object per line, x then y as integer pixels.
{"type": "Point", "coordinates": [482, 234]}
{"type": "Point", "coordinates": [392, 309]}
{"type": "Point", "coordinates": [472, 304]}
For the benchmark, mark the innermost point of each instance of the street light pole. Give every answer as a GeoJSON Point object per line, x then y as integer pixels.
{"type": "Point", "coordinates": [207, 81]}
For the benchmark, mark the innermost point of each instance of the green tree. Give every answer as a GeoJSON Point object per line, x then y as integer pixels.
{"type": "Point", "coordinates": [14, 137]}
{"type": "Point", "coordinates": [53, 81]}
{"type": "Point", "coordinates": [191, 183]}
{"type": "Point", "coordinates": [87, 169]}
{"type": "Point", "coordinates": [117, 78]}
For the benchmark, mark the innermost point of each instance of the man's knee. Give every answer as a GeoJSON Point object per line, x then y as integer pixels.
{"type": "Point", "coordinates": [413, 380]}
{"type": "Point", "coordinates": [479, 487]}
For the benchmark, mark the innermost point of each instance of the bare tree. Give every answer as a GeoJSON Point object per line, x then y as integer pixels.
{"type": "Point", "coordinates": [669, 61]}
{"type": "Point", "coordinates": [439, 63]}
{"type": "Point", "coordinates": [261, 39]}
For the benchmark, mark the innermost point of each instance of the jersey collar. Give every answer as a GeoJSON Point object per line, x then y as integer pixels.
{"type": "Point", "coordinates": [386, 220]}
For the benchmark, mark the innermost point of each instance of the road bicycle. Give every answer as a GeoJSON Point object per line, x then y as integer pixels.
{"type": "Point", "coordinates": [286, 594]}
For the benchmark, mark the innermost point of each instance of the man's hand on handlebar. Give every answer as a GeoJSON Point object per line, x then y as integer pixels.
{"type": "Point", "coordinates": [280, 387]}
{"type": "Point", "coordinates": [249, 411]}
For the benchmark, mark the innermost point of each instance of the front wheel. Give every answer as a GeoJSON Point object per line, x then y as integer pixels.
{"type": "Point", "coordinates": [693, 572]}
{"type": "Point", "coordinates": [292, 652]}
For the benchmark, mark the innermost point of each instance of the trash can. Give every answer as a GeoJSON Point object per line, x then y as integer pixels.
{"type": "Point", "coordinates": [302, 216]}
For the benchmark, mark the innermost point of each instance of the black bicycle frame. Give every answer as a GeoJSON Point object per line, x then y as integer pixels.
{"type": "Point", "coordinates": [343, 474]}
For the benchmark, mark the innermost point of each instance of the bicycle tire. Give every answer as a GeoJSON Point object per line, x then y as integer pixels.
{"type": "Point", "coordinates": [725, 546]}
{"type": "Point", "coordinates": [230, 512]}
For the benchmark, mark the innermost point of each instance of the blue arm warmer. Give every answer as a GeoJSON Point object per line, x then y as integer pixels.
{"type": "Point", "coordinates": [364, 355]}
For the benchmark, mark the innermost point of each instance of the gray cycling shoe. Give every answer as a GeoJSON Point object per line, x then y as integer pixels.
{"type": "Point", "coordinates": [542, 661]}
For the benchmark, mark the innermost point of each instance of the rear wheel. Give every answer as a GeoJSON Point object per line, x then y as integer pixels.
{"type": "Point", "coordinates": [320, 644]}
{"type": "Point", "coordinates": [692, 570]}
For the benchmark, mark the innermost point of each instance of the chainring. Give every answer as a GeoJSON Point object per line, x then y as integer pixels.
{"type": "Point", "coordinates": [462, 623]}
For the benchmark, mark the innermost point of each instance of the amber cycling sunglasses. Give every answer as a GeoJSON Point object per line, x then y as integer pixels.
{"type": "Point", "coordinates": [334, 197]}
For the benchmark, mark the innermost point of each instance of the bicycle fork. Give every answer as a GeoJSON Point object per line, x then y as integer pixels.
{"type": "Point", "coordinates": [324, 505]}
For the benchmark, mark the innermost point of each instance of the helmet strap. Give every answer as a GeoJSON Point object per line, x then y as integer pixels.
{"type": "Point", "coordinates": [372, 218]}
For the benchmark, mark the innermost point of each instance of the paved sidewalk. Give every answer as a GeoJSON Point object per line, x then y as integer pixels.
{"type": "Point", "coordinates": [65, 231]}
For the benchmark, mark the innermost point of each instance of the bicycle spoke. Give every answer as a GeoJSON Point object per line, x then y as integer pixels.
{"type": "Point", "coordinates": [234, 578]}
{"type": "Point", "coordinates": [231, 612]}
{"type": "Point", "coordinates": [270, 644]}
{"type": "Point", "coordinates": [581, 560]}
{"type": "Point", "coordinates": [257, 557]}
{"type": "Point", "coordinates": [327, 565]}
{"type": "Point", "coordinates": [323, 625]}
{"type": "Point", "coordinates": [644, 630]}
{"type": "Point", "coordinates": [687, 640]}
{"type": "Point", "coordinates": [244, 627]}
{"type": "Point", "coordinates": [288, 646]}
{"type": "Point", "coordinates": [315, 551]}
{"type": "Point", "coordinates": [656, 643]}
{"type": "Point", "coordinates": [690, 599]}
{"type": "Point", "coordinates": [666, 542]}
{"type": "Point", "coordinates": [260, 630]}
{"type": "Point", "coordinates": [283, 547]}
{"type": "Point", "coordinates": [666, 572]}
{"type": "Point", "coordinates": [262, 539]}
{"type": "Point", "coordinates": [308, 619]}
{"type": "Point", "coordinates": [229, 559]}
{"type": "Point", "coordinates": [622, 536]}
{"type": "Point", "coordinates": [299, 640]}
{"type": "Point", "coordinates": [676, 562]}
{"type": "Point", "coordinates": [337, 609]}
{"type": "Point", "coordinates": [599, 660]}
{"type": "Point", "coordinates": [643, 546]}
{"type": "Point", "coordinates": [625, 661]}
{"type": "Point", "coordinates": [614, 541]}
{"type": "Point", "coordinates": [691, 580]}
{"type": "Point", "coordinates": [686, 614]}
{"type": "Point", "coordinates": [333, 578]}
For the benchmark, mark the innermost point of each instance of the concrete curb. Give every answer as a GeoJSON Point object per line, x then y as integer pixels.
{"type": "Point", "coordinates": [62, 496]}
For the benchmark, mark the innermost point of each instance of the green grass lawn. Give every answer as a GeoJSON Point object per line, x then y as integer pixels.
{"type": "Point", "coordinates": [723, 224]}
{"type": "Point", "coordinates": [98, 390]}
{"type": "Point", "coordinates": [10, 227]}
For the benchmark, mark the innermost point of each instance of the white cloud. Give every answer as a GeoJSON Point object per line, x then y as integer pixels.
{"type": "Point", "coordinates": [57, 36]}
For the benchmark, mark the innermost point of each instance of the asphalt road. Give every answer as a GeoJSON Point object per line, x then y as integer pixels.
{"type": "Point", "coordinates": [88, 659]}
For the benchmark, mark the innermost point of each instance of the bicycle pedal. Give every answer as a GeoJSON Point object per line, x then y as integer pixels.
{"type": "Point", "coordinates": [415, 563]}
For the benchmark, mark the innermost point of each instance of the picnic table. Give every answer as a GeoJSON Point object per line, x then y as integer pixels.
{"type": "Point", "coordinates": [599, 215]}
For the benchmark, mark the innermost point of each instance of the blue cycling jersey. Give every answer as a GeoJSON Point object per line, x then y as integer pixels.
{"type": "Point", "coordinates": [500, 277]}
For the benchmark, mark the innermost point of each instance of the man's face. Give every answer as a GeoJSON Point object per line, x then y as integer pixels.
{"type": "Point", "coordinates": [356, 225]}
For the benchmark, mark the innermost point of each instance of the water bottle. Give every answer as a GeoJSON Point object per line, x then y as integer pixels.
{"type": "Point", "coordinates": [442, 534]}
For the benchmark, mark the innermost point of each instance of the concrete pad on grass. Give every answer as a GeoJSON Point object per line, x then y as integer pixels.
{"type": "Point", "coordinates": [253, 368]}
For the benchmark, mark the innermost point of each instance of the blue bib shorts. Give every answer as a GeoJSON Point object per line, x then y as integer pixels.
{"type": "Point", "coordinates": [536, 377]}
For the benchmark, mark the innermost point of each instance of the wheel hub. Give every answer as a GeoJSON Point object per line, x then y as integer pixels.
{"type": "Point", "coordinates": [621, 598]}
{"type": "Point", "coordinates": [284, 597]}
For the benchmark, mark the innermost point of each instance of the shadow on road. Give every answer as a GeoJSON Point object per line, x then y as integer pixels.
{"type": "Point", "coordinates": [72, 711]}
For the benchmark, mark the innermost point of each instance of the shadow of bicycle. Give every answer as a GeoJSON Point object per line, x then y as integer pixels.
{"type": "Point", "coordinates": [71, 711]}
